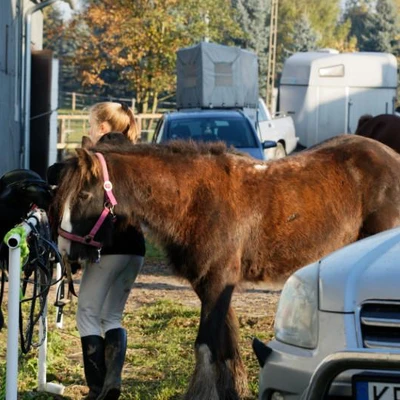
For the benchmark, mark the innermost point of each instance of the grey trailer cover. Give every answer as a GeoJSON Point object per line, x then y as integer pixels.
{"type": "Point", "coordinates": [211, 75]}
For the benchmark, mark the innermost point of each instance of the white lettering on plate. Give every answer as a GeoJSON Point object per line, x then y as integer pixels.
{"type": "Point", "coordinates": [383, 391]}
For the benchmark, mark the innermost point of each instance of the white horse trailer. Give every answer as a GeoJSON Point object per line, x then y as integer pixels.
{"type": "Point", "coordinates": [326, 92]}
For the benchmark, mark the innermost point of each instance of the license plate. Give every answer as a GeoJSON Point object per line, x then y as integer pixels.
{"type": "Point", "coordinates": [376, 387]}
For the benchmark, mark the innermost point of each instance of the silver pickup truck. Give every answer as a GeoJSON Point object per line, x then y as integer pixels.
{"type": "Point", "coordinates": [338, 316]}
{"type": "Point", "coordinates": [279, 128]}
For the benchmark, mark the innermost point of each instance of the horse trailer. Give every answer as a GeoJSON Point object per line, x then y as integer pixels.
{"type": "Point", "coordinates": [326, 92]}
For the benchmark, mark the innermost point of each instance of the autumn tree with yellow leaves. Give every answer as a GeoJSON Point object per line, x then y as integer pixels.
{"type": "Point", "coordinates": [126, 48]}
{"type": "Point", "coordinates": [130, 46]}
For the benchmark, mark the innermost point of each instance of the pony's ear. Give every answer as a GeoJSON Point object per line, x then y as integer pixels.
{"type": "Point", "coordinates": [83, 154]}
{"type": "Point", "coordinates": [87, 142]}
{"type": "Point", "coordinates": [86, 161]}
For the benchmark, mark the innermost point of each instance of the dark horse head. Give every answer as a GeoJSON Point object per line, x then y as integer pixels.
{"type": "Point", "coordinates": [82, 212]}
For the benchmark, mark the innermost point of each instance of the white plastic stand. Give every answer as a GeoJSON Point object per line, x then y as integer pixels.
{"type": "Point", "coordinates": [14, 275]}
{"type": "Point", "coordinates": [14, 287]}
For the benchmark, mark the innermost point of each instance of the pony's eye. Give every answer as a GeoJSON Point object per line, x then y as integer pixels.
{"type": "Point", "coordinates": [83, 195]}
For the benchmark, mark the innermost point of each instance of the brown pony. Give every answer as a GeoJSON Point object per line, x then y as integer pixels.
{"type": "Point", "coordinates": [384, 127]}
{"type": "Point", "coordinates": [223, 218]}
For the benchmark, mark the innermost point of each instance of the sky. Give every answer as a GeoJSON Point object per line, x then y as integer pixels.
{"type": "Point", "coordinates": [66, 8]}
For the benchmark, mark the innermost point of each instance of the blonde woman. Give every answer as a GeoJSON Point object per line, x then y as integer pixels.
{"type": "Point", "coordinates": [112, 117]}
{"type": "Point", "coordinates": [105, 286]}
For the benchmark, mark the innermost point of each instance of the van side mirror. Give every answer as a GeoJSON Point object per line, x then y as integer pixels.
{"type": "Point", "coordinates": [268, 144]}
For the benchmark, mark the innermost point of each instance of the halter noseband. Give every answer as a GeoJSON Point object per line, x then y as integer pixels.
{"type": "Point", "coordinates": [108, 208]}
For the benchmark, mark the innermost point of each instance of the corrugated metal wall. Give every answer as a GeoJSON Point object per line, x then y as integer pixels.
{"type": "Point", "coordinates": [9, 87]}
{"type": "Point", "coordinates": [11, 41]}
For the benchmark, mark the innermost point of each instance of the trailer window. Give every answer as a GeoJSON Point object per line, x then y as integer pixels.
{"type": "Point", "coordinates": [333, 71]}
{"type": "Point", "coordinates": [223, 74]}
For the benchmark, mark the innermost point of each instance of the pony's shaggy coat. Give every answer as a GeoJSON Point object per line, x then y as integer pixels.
{"type": "Point", "coordinates": [223, 218]}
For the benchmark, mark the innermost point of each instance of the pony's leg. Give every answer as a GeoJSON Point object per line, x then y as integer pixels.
{"type": "Point", "coordinates": [230, 341]}
{"type": "Point", "coordinates": [218, 360]}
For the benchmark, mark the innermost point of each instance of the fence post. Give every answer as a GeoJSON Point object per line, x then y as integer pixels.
{"type": "Point", "coordinates": [73, 106]}
{"type": "Point", "coordinates": [62, 129]}
{"type": "Point", "coordinates": [139, 125]}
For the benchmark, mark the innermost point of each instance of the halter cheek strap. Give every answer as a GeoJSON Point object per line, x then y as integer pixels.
{"type": "Point", "coordinates": [108, 208]}
{"type": "Point", "coordinates": [107, 185]}
{"type": "Point", "coordinates": [110, 198]}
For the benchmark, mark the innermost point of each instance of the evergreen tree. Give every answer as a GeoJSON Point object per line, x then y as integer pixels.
{"type": "Point", "coordinates": [304, 37]}
{"type": "Point", "coordinates": [365, 5]}
{"type": "Point", "coordinates": [253, 17]}
{"type": "Point", "coordinates": [323, 17]}
{"type": "Point", "coordinates": [374, 24]}
{"type": "Point", "coordinates": [381, 29]}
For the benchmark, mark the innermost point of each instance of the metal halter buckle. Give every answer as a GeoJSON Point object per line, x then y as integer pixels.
{"type": "Point", "coordinates": [107, 186]}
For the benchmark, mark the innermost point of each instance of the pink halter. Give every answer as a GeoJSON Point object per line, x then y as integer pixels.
{"type": "Point", "coordinates": [108, 209]}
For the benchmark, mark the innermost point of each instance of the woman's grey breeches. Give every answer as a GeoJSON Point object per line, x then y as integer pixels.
{"type": "Point", "coordinates": [104, 291]}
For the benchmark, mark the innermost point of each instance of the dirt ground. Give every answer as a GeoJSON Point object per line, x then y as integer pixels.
{"type": "Point", "coordinates": [156, 282]}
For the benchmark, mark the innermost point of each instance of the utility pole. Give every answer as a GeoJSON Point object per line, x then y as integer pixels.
{"type": "Point", "coordinates": [207, 21]}
{"type": "Point", "coordinates": [272, 55]}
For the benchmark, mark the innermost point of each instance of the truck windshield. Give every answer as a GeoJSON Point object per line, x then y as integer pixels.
{"type": "Point", "coordinates": [233, 131]}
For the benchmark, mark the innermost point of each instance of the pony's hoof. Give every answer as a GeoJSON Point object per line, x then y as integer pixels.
{"type": "Point", "coordinates": [110, 394]}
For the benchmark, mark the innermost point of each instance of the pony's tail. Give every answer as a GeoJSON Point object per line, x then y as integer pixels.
{"type": "Point", "coordinates": [363, 119]}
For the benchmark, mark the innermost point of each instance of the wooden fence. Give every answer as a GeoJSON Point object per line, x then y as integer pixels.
{"type": "Point", "coordinates": [71, 128]}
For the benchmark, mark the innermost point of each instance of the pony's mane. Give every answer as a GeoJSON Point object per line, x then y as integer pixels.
{"type": "Point", "coordinates": [183, 147]}
{"type": "Point", "coordinates": [78, 171]}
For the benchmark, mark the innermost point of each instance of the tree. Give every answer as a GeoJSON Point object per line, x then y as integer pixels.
{"type": "Point", "coordinates": [323, 18]}
{"type": "Point", "coordinates": [382, 31]}
{"type": "Point", "coordinates": [304, 37]}
{"type": "Point", "coordinates": [343, 41]}
{"type": "Point", "coordinates": [253, 17]}
{"type": "Point", "coordinates": [60, 39]}
{"type": "Point", "coordinates": [374, 24]}
{"type": "Point", "coordinates": [53, 30]}
{"type": "Point", "coordinates": [130, 47]}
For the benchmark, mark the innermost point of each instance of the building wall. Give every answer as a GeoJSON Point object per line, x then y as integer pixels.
{"type": "Point", "coordinates": [9, 82]}
{"type": "Point", "coordinates": [11, 77]}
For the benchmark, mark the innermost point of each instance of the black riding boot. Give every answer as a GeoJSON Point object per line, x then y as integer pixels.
{"type": "Point", "coordinates": [94, 364]}
{"type": "Point", "coordinates": [115, 350]}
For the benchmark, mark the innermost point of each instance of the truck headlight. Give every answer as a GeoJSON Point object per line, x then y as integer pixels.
{"type": "Point", "coordinates": [296, 320]}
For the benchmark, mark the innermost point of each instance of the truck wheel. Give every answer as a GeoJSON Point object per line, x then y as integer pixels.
{"type": "Point", "coordinates": [280, 151]}
{"type": "Point", "coordinates": [275, 152]}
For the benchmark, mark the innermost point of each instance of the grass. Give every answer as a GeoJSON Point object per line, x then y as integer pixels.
{"type": "Point", "coordinates": [153, 252]}
{"type": "Point", "coordinates": [159, 358]}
